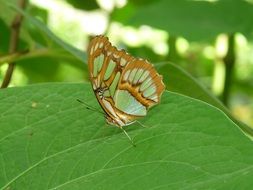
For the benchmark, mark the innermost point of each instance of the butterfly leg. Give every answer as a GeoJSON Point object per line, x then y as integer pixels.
{"type": "Point", "coordinates": [131, 140]}
{"type": "Point", "coordinates": [141, 124]}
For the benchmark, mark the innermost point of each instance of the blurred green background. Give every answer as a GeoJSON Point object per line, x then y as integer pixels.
{"type": "Point", "coordinates": [210, 40]}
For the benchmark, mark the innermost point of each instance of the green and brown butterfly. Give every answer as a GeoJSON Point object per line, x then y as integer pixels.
{"type": "Point", "coordinates": [125, 86]}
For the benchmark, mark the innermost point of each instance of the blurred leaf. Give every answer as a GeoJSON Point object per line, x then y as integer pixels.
{"type": "Point", "coordinates": [6, 14]}
{"type": "Point", "coordinates": [50, 141]}
{"type": "Point", "coordinates": [124, 14]}
{"type": "Point", "coordinates": [145, 52]}
{"type": "Point", "coordinates": [142, 2]}
{"type": "Point", "coordinates": [46, 69]}
{"type": "Point", "coordinates": [245, 86]}
{"type": "Point", "coordinates": [195, 20]}
{"type": "Point", "coordinates": [4, 37]}
{"type": "Point", "coordinates": [179, 81]}
{"type": "Point", "coordinates": [38, 12]}
{"type": "Point", "coordinates": [43, 29]}
{"type": "Point", "coordinates": [41, 69]}
{"type": "Point", "coordinates": [46, 50]}
{"type": "Point", "coordinates": [85, 5]}
{"type": "Point", "coordinates": [39, 33]}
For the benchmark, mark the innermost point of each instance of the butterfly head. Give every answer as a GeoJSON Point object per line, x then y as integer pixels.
{"type": "Point", "coordinates": [100, 92]}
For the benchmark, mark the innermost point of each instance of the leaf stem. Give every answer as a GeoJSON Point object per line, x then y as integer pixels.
{"type": "Point", "coordinates": [14, 39]}
{"type": "Point", "coordinates": [229, 61]}
{"type": "Point", "coordinates": [39, 52]}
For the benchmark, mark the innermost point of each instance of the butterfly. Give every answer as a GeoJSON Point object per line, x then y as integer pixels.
{"type": "Point", "coordinates": [125, 86]}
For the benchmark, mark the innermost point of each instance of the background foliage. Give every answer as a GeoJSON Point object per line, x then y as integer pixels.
{"type": "Point", "coordinates": [204, 51]}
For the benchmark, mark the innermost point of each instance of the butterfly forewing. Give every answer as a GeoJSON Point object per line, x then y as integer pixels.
{"type": "Point", "coordinates": [106, 63]}
{"type": "Point", "coordinates": [124, 86]}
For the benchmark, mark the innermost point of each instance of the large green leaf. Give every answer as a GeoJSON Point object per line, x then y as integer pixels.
{"type": "Point", "coordinates": [179, 81]}
{"type": "Point", "coordinates": [49, 141]}
{"type": "Point", "coordinates": [42, 28]}
{"type": "Point", "coordinates": [195, 20]}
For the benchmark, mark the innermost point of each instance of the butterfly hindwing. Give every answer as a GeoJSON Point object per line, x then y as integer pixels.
{"type": "Point", "coordinates": [143, 82]}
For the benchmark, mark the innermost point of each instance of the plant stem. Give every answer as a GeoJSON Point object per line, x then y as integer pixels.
{"type": "Point", "coordinates": [15, 30]}
{"type": "Point", "coordinates": [229, 61]}
{"type": "Point", "coordinates": [173, 54]}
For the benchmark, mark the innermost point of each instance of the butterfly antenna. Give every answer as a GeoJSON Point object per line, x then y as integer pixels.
{"type": "Point", "coordinates": [131, 140]}
{"type": "Point", "coordinates": [141, 124]}
{"type": "Point", "coordinates": [88, 107]}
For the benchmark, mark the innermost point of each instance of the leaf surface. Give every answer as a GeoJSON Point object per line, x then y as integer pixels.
{"type": "Point", "coordinates": [179, 81]}
{"type": "Point", "coordinates": [50, 141]}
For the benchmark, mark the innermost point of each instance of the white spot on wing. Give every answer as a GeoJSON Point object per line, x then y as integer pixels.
{"type": "Point", "coordinates": [126, 75]}
{"type": "Point", "coordinates": [116, 56]}
{"type": "Point", "coordinates": [93, 86]}
{"type": "Point", "coordinates": [95, 83]}
{"type": "Point", "coordinates": [91, 50]}
{"type": "Point", "coordinates": [109, 107]}
{"type": "Point", "coordinates": [154, 97]}
{"type": "Point", "coordinates": [123, 62]}
{"type": "Point", "coordinates": [131, 77]}
{"type": "Point", "coordinates": [96, 47]}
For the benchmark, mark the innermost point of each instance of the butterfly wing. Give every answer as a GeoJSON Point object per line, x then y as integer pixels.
{"type": "Point", "coordinates": [106, 65]}
{"type": "Point", "coordinates": [142, 85]}
{"type": "Point", "coordinates": [124, 86]}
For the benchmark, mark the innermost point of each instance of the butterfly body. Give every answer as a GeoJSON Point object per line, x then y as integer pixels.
{"type": "Point", "coordinates": [125, 87]}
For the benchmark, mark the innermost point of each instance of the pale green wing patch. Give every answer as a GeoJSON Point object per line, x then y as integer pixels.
{"type": "Point", "coordinates": [144, 76]}
{"type": "Point", "coordinates": [137, 75]}
{"type": "Point", "coordinates": [125, 102]}
{"type": "Point", "coordinates": [98, 63]}
{"type": "Point", "coordinates": [109, 70]}
{"type": "Point", "coordinates": [107, 93]}
{"type": "Point", "coordinates": [114, 84]}
{"type": "Point", "coordinates": [146, 84]}
{"type": "Point", "coordinates": [132, 75]}
{"type": "Point", "coordinates": [149, 90]}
